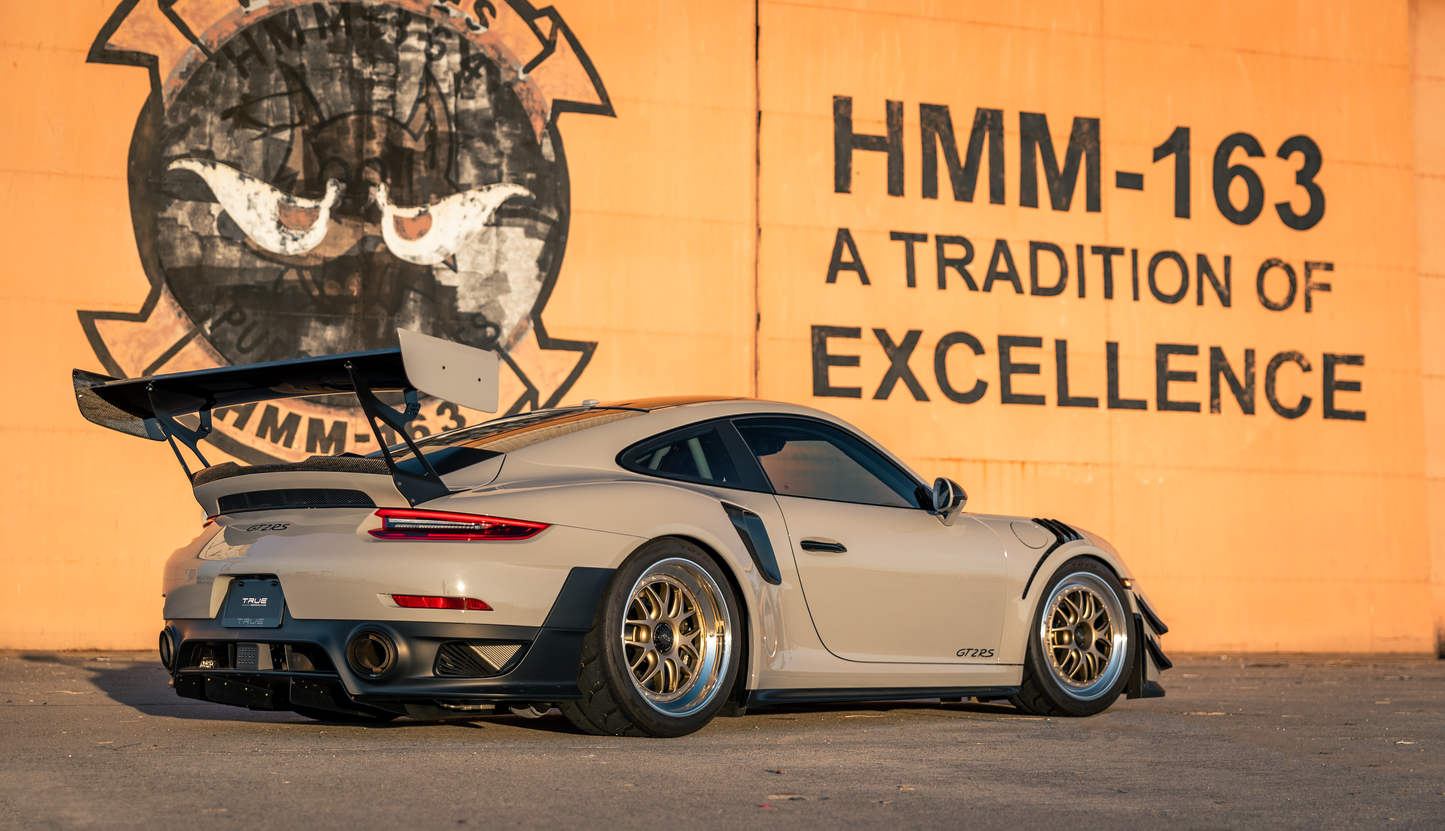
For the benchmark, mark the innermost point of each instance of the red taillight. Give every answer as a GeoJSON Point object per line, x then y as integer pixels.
{"type": "Point", "coordinates": [420, 601]}
{"type": "Point", "coordinates": [398, 524]}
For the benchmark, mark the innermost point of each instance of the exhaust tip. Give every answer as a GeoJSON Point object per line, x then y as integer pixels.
{"type": "Point", "coordinates": [371, 654]}
{"type": "Point", "coordinates": [168, 649]}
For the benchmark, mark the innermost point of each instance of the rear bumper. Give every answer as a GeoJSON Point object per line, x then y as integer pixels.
{"type": "Point", "coordinates": [545, 672]}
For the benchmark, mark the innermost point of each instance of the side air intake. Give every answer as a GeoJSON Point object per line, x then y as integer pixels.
{"type": "Point", "coordinates": [237, 503]}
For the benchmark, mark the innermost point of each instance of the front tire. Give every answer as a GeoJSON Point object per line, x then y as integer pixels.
{"type": "Point", "coordinates": [663, 652]}
{"type": "Point", "coordinates": [1080, 646]}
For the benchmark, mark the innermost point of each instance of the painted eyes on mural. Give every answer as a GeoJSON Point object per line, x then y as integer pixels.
{"type": "Point", "coordinates": [289, 225]}
{"type": "Point", "coordinates": [431, 234]}
{"type": "Point", "coordinates": [273, 219]}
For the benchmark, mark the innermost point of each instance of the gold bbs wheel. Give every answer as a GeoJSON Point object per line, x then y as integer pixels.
{"type": "Point", "coordinates": [1084, 635]}
{"type": "Point", "coordinates": [676, 638]}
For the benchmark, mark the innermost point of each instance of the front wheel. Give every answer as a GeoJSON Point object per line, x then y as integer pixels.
{"type": "Point", "coordinates": [1079, 649]}
{"type": "Point", "coordinates": [663, 653]}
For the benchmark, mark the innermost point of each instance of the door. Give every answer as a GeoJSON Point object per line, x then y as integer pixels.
{"type": "Point", "coordinates": [884, 580]}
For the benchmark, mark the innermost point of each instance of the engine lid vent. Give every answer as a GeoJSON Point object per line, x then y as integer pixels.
{"type": "Point", "coordinates": [235, 503]}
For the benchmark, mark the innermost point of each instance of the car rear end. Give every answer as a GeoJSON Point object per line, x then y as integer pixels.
{"type": "Point", "coordinates": [318, 587]}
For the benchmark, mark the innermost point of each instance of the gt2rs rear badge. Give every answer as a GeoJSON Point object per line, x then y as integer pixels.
{"type": "Point", "coordinates": [306, 177]}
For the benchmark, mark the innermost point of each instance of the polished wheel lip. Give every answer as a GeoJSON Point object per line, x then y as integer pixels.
{"type": "Point", "coordinates": [1083, 604]}
{"type": "Point", "coordinates": [677, 594]}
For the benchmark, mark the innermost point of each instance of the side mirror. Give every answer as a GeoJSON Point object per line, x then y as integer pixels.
{"type": "Point", "coordinates": [948, 500]}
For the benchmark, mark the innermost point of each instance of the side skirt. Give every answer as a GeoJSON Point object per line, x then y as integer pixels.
{"type": "Point", "coordinates": [764, 698]}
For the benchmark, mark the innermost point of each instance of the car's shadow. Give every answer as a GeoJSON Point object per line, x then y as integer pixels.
{"type": "Point", "coordinates": [144, 686]}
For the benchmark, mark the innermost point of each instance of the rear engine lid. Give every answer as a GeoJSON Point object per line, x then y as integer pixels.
{"type": "Point", "coordinates": [319, 482]}
{"type": "Point", "coordinates": [296, 486]}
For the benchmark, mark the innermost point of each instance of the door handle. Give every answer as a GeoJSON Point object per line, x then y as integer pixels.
{"type": "Point", "coordinates": [820, 547]}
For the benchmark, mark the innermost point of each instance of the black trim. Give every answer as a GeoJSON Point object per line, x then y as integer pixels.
{"type": "Point", "coordinates": [825, 547]}
{"type": "Point", "coordinates": [755, 539]}
{"type": "Point", "coordinates": [576, 603]}
{"type": "Point", "coordinates": [1137, 675]}
{"type": "Point", "coordinates": [1062, 534]}
{"type": "Point", "coordinates": [1157, 653]}
{"type": "Point", "coordinates": [762, 698]}
{"type": "Point", "coordinates": [1150, 617]}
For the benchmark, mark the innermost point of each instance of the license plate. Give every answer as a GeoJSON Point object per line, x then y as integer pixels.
{"type": "Point", "coordinates": [253, 604]}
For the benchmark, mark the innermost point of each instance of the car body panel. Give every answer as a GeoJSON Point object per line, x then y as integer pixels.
{"type": "Point", "coordinates": [907, 589]}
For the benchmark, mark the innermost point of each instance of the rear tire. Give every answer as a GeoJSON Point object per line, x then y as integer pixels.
{"type": "Point", "coordinates": [1080, 646]}
{"type": "Point", "coordinates": [662, 654]}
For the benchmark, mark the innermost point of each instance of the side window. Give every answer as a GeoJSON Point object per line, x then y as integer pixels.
{"type": "Point", "coordinates": [697, 455]}
{"type": "Point", "coordinates": [819, 461]}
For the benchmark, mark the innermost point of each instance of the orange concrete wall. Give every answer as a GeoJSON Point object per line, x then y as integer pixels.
{"type": "Point", "coordinates": [1427, 23]}
{"type": "Point", "coordinates": [705, 210]}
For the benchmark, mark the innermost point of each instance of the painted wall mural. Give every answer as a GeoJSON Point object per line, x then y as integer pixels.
{"type": "Point", "coordinates": [306, 177]}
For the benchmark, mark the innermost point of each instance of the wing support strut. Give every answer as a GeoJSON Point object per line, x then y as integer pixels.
{"type": "Point", "coordinates": [416, 487]}
{"type": "Point", "coordinates": [175, 429]}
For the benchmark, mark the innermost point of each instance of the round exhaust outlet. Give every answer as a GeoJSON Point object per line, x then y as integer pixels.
{"type": "Point", "coordinates": [168, 649]}
{"type": "Point", "coordinates": [371, 654]}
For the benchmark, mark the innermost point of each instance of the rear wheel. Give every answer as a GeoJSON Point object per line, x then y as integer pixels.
{"type": "Point", "coordinates": [662, 653]}
{"type": "Point", "coordinates": [1079, 648]}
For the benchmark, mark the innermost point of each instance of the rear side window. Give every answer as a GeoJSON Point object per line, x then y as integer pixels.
{"type": "Point", "coordinates": [819, 461]}
{"type": "Point", "coordinates": [697, 454]}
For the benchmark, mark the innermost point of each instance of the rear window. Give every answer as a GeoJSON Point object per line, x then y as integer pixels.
{"type": "Point", "coordinates": [697, 455]}
{"type": "Point", "coordinates": [461, 448]}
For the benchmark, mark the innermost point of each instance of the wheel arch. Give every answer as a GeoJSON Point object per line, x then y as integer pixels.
{"type": "Point", "coordinates": [1054, 560]}
{"type": "Point", "coordinates": [745, 612]}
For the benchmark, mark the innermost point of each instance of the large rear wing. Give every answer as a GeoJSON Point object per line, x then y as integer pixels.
{"type": "Point", "coordinates": [150, 407]}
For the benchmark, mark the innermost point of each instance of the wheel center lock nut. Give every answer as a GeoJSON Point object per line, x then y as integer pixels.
{"type": "Point", "coordinates": [662, 638]}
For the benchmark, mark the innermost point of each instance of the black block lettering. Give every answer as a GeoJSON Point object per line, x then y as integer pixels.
{"type": "Point", "coordinates": [1243, 392]}
{"type": "Point", "coordinates": [940, 367]}
{"type": "Point", "coordinates": [1270, 377]}
{"type": "Point", "coordinates": [275, 429]}
{"type": "Point", "coordinates": [1264, 300]}
{"type": "Point", "coordinates": [936, 127]}
{"type": "Point", "coordinates": [1311, 286]}
{"type": "Point", "coordinates": [845, 141]}
{"type": "Point", "coordinates": [1058, 287]}
{"type": "Point", "coordinates": [1037, 145]}
{"type": "Point", "coordinates": [823, 361]}
{"type": "Point", "coordinates": [1332, 386]}
{"type": "Point", "coordinates": [1111, 352]}
{"type": "Point", "coordinates": [1008, 274]}
{"type": "Point", "coordinates": [320, 440]}
{"type": "Point", "coordinates": [1183, 291]}
{"type": "Point", "coordinates": [898, 368]}
{"type": "Point", "coordinates": [1107, 254]}
{"type": "Point", "coordinates": [1007, 368]}
{"type": "Point", "coordinates": [844, 242]}
{"type": "Point", "coordinates": [959, 264]}
{"type": "Point", "coordinates": [908, 261]}
{"type": "Point", "coordinates": [1164, 376]}
{"type": "Point", "coordinates": [1223, 292]}
{"type": "Point", "coordinates": [1061, 363]}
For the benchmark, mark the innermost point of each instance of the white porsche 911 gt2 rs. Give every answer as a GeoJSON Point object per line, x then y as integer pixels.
{"type": "Point", "coordinates": [643, 565]}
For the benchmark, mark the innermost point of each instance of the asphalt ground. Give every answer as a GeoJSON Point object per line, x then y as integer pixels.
{"type": "Point", "coordinates": [98, 740]}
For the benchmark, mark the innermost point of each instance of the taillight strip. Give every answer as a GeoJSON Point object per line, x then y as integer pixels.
{"type": "Point", "coordinates": [403, 524]}
{"type": "Point", "coordinates": [422, 601]}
